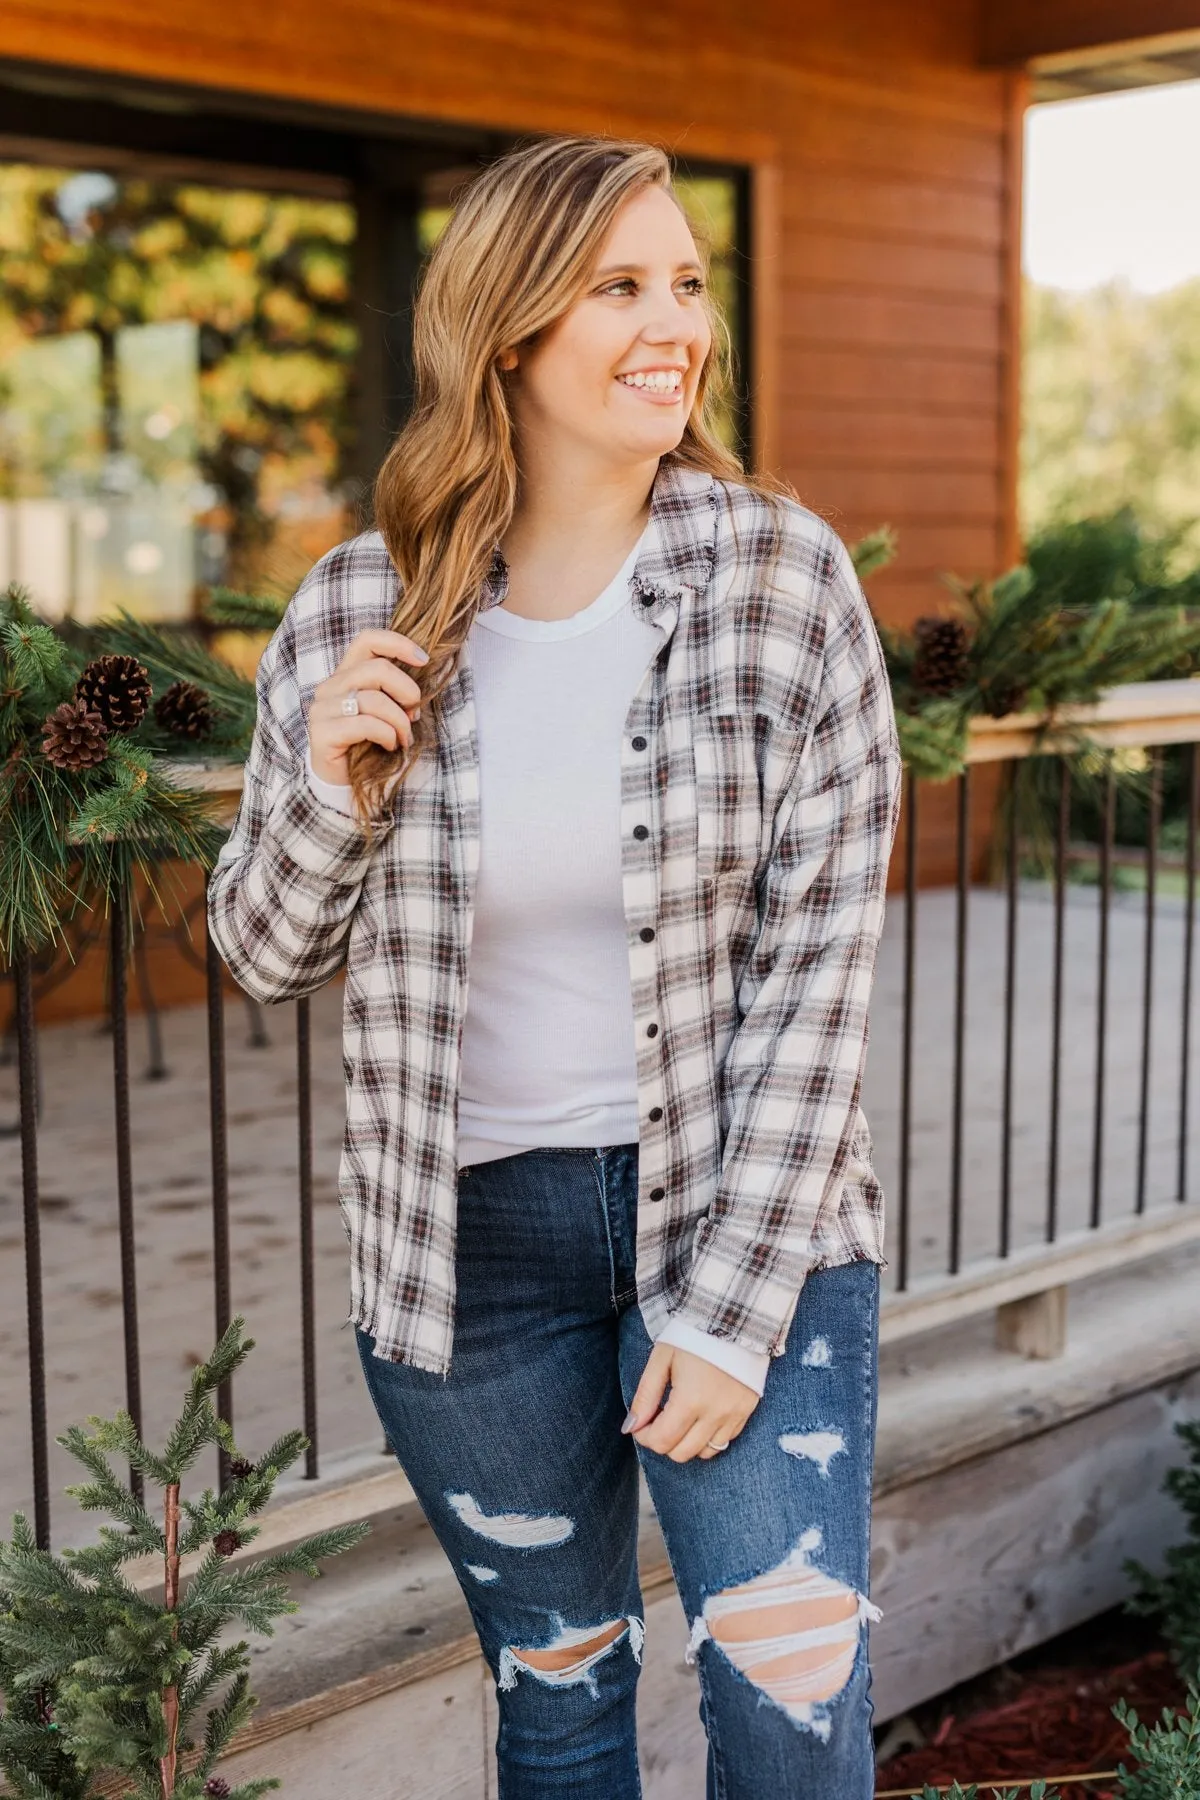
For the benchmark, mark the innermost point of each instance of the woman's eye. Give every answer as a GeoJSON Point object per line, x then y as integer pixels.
{"type": "Point", "coordinates": [693, 285]}
{"type": "Point", "coordinates": [625, 285]}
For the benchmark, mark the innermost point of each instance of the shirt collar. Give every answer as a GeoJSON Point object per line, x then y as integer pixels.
{"type": "Point", "coordinates": [679, 547]}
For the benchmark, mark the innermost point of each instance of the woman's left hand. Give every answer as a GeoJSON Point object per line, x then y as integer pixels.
{"type": "Point", "coordinates": [706, 1406]}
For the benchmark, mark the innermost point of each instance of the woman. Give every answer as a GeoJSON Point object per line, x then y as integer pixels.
{"type": "Point", "coordinates": [584, 765]}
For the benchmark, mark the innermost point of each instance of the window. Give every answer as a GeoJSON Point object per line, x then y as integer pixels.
{"type": "Point", "coordinates": [175, 371]}
{"type": "Point", "coordinates": [198, 379]}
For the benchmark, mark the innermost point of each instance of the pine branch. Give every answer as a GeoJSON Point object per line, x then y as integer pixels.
{"type": "Point", "coordinates": [224, 1720]}
{"type": "Point", "coordinates": [873, 552]}
{"type": "Point", "coordinates": [933, 741]}
{"type": "Point", "coordinates": [36, 660]}
{"type": "Point", "coordinates": [101, 1563]}
{"type": "Point", "coordinates": [208, 1673]}
{"type": "Point", "coordinates": [244, 612]}
{"type": "Point", "coordinates": [218, 1595]}
{"type": "Point", "coordinates": [105, 1493]}
{"type": "Point", "coordinates": [285, 1451]}
{"type": "Point", "coordinates": [120, 1435]}
{"type": "Point", "coordinates": [198, 1424]}
{"type": "Point", "coordinates": [171, 1602]}
{"type": "Point", "coordinates": [304, 1558]}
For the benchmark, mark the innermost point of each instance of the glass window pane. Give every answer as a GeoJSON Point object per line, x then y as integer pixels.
{"type": "Point", "coordinates": [176, 365]}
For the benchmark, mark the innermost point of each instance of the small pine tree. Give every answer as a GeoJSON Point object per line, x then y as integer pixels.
{"type": "Point", "coordinates": [99, 1677]}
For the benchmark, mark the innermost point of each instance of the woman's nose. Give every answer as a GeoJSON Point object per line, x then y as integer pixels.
{"type": "Point", "coordinates": [672, 325]}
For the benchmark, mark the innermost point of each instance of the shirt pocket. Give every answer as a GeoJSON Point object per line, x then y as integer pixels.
{"type": "Point", "coordinates": [728, 796]}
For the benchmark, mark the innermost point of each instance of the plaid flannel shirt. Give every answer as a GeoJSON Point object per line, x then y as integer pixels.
{"type": "Point", "coordinates": [761, 751]}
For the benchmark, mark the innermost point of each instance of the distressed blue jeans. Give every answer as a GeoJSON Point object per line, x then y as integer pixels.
{"type": "Point", "coordinates": [518, 1461]}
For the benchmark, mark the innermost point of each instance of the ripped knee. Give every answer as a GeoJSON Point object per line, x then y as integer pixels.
{"type": "Point", "coordinates": [565, 1658]}
{"type": "Point", "coordinates": [573, 1654]}
{"type": "Point", "coordinates": [793, 1633]}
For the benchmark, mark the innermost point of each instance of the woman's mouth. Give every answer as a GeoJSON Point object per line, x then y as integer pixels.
{"type": "Point", "coordinates": [660, 384]}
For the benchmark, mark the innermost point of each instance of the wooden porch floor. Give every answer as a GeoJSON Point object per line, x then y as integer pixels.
{"type": "Point", "coordinates": [171, 1168]}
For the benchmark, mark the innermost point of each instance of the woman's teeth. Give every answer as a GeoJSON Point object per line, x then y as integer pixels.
{"type": "Point", "coordinates": [659, 381]}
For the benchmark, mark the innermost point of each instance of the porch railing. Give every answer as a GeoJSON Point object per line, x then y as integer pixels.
{"type": "Point", "coordinates": [1022, 1273]}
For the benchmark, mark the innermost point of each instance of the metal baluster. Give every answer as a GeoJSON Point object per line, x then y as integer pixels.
{"type": "Point", "coordinates": [27, 1085]}
{"type": "Point", "coordinates": [308, 1309]}
{"type": "Point", "coordinates": [960, 1007]}
{"type": "Point", "coordinates": [1189, 933]}
{"type": "Point", "coordinates": [156, 1069]}
{"type": "Point", "coordinates": [1010, 974]}
{"type": "Point", "coordinates": [119, 1009]}
{"type": "Point", "coordinates": [1056, 1022]}
{"type": "Point", "coordinates": [1106, 842]}
{"type": "Point", "coordinates": [1152, 823]}
{"type": "Point", "coordinates": [218, 1123]}
{"type": "Point", "coordinates": [906, 1034]}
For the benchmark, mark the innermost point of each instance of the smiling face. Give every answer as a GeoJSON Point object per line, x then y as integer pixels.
{"type": "Point", "coordinates": [616, 377]}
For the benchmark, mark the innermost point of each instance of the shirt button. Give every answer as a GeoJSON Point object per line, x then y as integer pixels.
{"type": "Point", "coordinates": [646, 934]}
{"type": "Point", "coordinates": [637, 743]}
{"type": "Point", "coordinates": [658, 1193]}
{"type": "Point", "coordinates": [641, 831]}
{"type": "Point", "coordinates": [652, 1031]}
{"type": "Point", "coordinates": [655, 1114]}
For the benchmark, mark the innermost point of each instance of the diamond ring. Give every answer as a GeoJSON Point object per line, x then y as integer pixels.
{"type": "Point", "coordinates": [350, 705]}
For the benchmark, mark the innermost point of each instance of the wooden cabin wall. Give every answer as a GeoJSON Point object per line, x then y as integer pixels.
{"type": "Point", "coordinates": [886, 210]}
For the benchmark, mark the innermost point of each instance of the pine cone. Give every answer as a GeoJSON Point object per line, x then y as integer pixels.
{"type": "Point", "coordinates": [217, 1788]}
{"type": "Point", "coordinates": [226, 1542]}
{"type": "Point", "coordinates": [74, 737]}
{"type": "Point", "coordinates": [118, 688]}
{"type": "Point", "coordinates": [186, 711]}
{"type": "Point", "coordinates": [940, 666]}
{"type": "Point", "coordinates": [1005, 697]}
{"type": "Point", "coordinates": [239, 1468]}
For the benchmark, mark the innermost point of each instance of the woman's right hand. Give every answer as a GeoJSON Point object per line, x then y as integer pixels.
{"type": "Point", "coordinates": [388, 701]}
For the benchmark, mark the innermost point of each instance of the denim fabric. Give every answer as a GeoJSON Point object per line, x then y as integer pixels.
{"type": "Point", "coordinates": [518, 1460]}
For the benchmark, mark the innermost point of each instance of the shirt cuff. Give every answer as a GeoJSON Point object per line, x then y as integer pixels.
{"type": "Point", "coordinates": [332, 793]}
{"type": "Point", "coordinates": [747, 1366]}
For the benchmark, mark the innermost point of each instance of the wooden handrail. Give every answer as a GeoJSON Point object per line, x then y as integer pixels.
{"type": "Point", "coordinates": [1137, 713]}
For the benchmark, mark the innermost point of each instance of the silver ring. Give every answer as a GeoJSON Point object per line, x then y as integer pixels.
{"type": "Point", "coordinates": [709, 1445]}
{"type": "Point", "coordinates": [350, 707]}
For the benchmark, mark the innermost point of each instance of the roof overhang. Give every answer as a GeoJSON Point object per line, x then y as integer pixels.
{"type": "Point", "coordinates": [1077, 47]}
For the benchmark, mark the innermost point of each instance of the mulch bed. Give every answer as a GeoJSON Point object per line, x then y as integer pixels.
{"type": "Point", "coordinates": [1061, 1723]}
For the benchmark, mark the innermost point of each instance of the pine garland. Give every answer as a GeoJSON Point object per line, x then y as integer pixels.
{"type": "Point", "coordinates": [1034, 640]}
{"type": "Point", "coordinates": [79, 816]}
{"type": "Point", "coordinates": [84, 805]}
{"type": "Point", "coordinates": [99, 1677]}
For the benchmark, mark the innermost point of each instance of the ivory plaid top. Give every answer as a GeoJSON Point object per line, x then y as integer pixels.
{"type": "Point", "coordinates": [760, 751]}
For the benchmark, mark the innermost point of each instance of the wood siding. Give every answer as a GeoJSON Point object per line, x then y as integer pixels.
{"type": "Point", "coordinates": [886, 171]}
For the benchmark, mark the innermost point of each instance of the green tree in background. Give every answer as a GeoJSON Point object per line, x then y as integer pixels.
{"type": "Point", "coordinates": [1111, 407]}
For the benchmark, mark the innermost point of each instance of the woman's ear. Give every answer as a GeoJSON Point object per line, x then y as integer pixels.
{"type": "Point", "coordinates": [506, 362]}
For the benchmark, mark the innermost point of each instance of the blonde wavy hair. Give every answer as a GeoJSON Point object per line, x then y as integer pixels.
{"type": "Point", "coordinates": [515, 256]}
